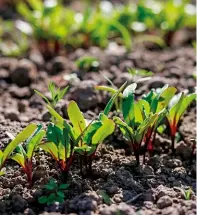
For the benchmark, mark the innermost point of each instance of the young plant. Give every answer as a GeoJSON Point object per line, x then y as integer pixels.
{"type": "Point", "coordinates": [22, 136]}
{"type": "Point", "coordinates": [24, 155]}
{"type": "Point", "coordinates": [12, 45]}
{"type": "Point", "coordinates": [53, 193]}
{"type": "Point", "coordinates": [59, 146]}
{"type": "Point", "coordinates": [157, 102]}
{"type": "Point", "coordinates": [187, 194]}
{"type": "Point", "coordinates": [50, 22]}
{"type": "Point", "coordinates": [56, 95]}
{"type": "Point", "coordinates": [98, 26]}
{"type": "Point", "coordinates": [113, 89]}
{"type": "Point", "coordinates": [136, 123]}
{"type": "Point", "coordinates": [82, 137]}
{"type": "Point", "coordinates": [87, 63]}
{"type": "Point", "coordinates": [177, 106]}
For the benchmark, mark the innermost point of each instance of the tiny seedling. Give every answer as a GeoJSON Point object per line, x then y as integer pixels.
{"type": "Point", "coordinates": [177, 106]}
{"type": "Point", "coordinates": [113, 89]}
{"type": "Point", "coordinates": [136, 73]}
{"type": "Point", "coordinates": [22, 136]}
{"type": "Point", "coordinates": [24, 156]}
{"type": "Point", "coordinates": [186, 193]}
{"type": "Point", "coordinates": [53, 193]}
{"type": "Point", "coordinates": [56, 95]}
{"type": "Point", "coordinates": [87, 63]}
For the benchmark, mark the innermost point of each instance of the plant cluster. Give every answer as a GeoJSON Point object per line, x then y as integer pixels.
{"type": "Point", "coordinates": [77, 137]}
{"type": "Point", "coordinates": [53, 26]}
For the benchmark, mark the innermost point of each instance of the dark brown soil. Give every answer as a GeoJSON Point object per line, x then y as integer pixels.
{"type": "Point", "coordinates": [147, 189]}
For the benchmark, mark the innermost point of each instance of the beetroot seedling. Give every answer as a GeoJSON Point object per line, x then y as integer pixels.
{"type": "Point", "coordinates": [177, 106]}
{"type": "Point", "coordinates": [136, 123]}
{"type": "Point", "coordinates": [22, 136]}
{"type": "Point", "coordinates": [158, 101]}
{"type": "Point", "coordinates": [24, 155]}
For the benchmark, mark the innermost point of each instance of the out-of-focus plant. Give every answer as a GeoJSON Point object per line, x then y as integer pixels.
{"type": "Point", "coordinates": [12, 45]}
{"type": "Point", "coordinates": [87, 63]}
{"type": "Point", "coordinates": [177, 106]}
{"type": "Point", "coordinates": [24, 155]}
{"type": "Point", "coordinates": [50, 21]}
{"type": "Point", "coordinates": [97, 26]}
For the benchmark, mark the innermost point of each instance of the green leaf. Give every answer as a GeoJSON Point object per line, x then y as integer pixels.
{"type": "Point", "coordinates": [36, 5]}
{"type": "Point", "coordinates": [2, 173]}
{"type": "Point", "coordinates": [76, 118]}
{"type": "Point", "coordinates": [61, 194]}
{"type": "Point", "coordinates": [112, 100]}
{"type": "Point", "coordinates": [51, 198]}
{"type": "Point", "coordinates": [165, 97]}
{"type": "Point", "coordinates": [19, 158]}
{"type": "Point", "coordinates": [125, 129]}
{"type": "Point", "coordinates": [34, 142]}
{"type": "Point", "coordinates": [108, 89]}
{"type": "Point", "coordinates": [43, 199]}
{"type": "Point", "coordinates": [105, 197]}
{"type": "Point", "coordinates": [22, 136]}
{"type": "Point", "coordinates": [128, 103]}
{"type": "Point", "coordinates": [105, 130]}
{"type": "Point", "coordinates": [42, 96]}
{"type": "Point", "coordinates": [51, 148]}
{"type": "Point", "coordinates": [64, 186]}
{"type": "Point", "coordinates": [59, 119]}
{"type": "Point", "coordinates": [91, 131]}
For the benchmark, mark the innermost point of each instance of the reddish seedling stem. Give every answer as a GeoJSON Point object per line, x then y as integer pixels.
{"type": "Point", "coordinates": [28, 170]}
{"type": "Point", "coordinates": [173, 129]}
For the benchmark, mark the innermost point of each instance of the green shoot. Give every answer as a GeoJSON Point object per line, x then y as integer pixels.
{"type": "Point", "coordinates": [56, 95]}
{"type": "Point", "coordinates": [87, 63]}
{"type": "Point", "coordinates": [177, 106]}
{"type": "Point", "coordinates": [22, 136]}
{"type": "Point", "coordinates": [53, 193]}
{"type": "Point", "coordinates": [24, 156]}
{"type": "Point", "coordinates": [136, 123]}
